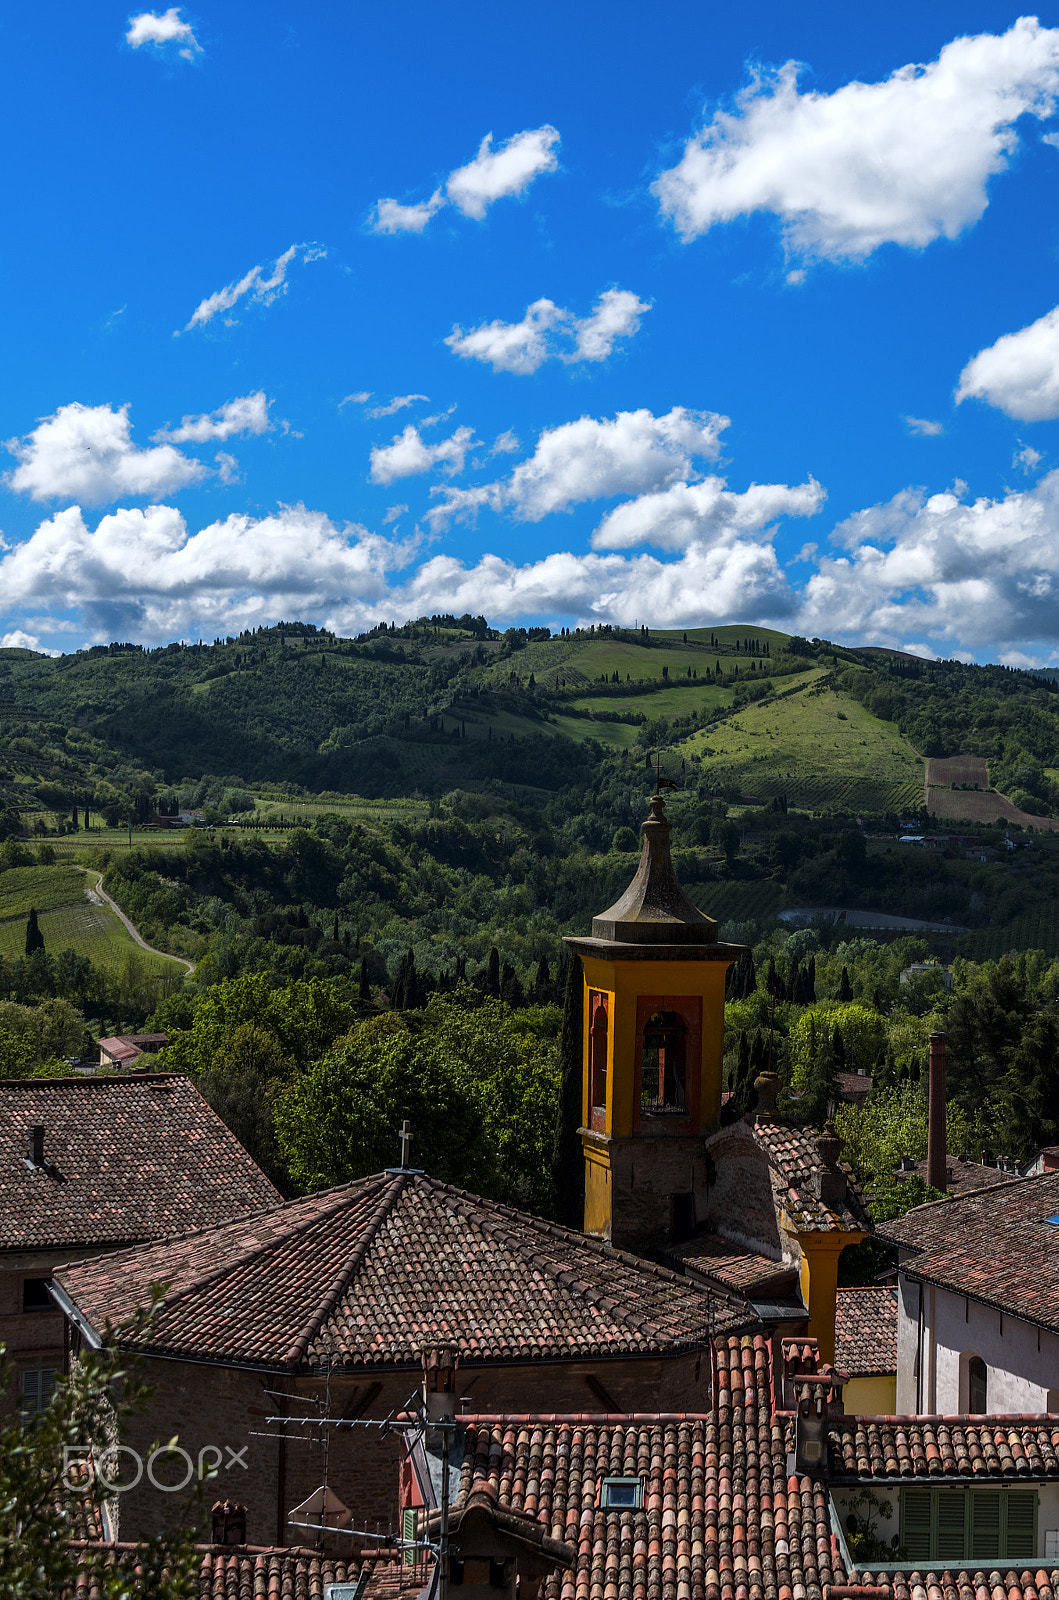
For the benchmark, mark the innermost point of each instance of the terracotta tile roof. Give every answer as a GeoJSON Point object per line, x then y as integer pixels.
{"type": "Point", "coordinates": [866, 1332]}
{"type": "Point", "coordinates": [996, 1245]}
{"type": "Point", "coordinates": [940, 1447]}
{"type": "Point", "coordinates": [793, 1154]}
{"type": "Point", "coordinates": [364, 1275]}
{"type": "Point", "coordinates": [1006, 1583]}
{"type": "Point", "coordinates": [126, 1158]}
{"type": "Point", "coordinates": [963, 1175]}
{"type": "Point", "coordinates": [854, 1085]}
{"type": "Point", "coordinates": [720, 1516]}
{"type": "Point", "coordinates": [247, 1573]}
{"type": "Point", "coordinates": [733, 1266]}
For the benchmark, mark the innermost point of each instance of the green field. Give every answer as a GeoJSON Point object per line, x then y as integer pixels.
{"type": "Point", "coordinates": [818, 747]}
{"type": "Point", "coordinates": [22, 888]}
{"type": "Point", "coordinates": [92, 931]}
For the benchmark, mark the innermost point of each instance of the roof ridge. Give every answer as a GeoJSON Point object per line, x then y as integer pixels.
{"type": "Point", "coordinates": [351, 1266]}
{"type": "Point", "coordinates": [599, 1247]}
{"type": "Point", "coordinates": [204, 1280]}
{"type": "Point", "coordinates": [100, 1079]}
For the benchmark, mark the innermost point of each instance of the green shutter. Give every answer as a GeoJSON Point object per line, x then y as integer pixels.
{"type": "Point", "coordinates": [985, 1524]}
{"type": "Point", "coordinates": [951, 1525]}
{"type": "Point", "coordinates": [915, 1524]}
{"type": "Point", "coordinates": [408, 1534]}
{"type": "Point", "coordinates": [1021, 1524]}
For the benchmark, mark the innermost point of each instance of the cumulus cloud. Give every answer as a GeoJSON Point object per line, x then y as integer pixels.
{"type": "Point", "coordinates": [1020, 373]}
{"type": "Point", "coordinates": [390, 216]}
{"type": "Point", "coordinates": [160, 29]}
{"type": "Point", "coordinates": [261, 289]}
{"type": "Point", "coordinates": [246, 414]}
{"type": "Point", "coordinates": [594, 459]}
{"type": "Point", "coordinates": [924, 427]}
{"type": "Point", "coordinates": [408, 455]}
{"type": "Point", "coordinates": [1027, 458]}
{"type": "Point", "coordinates": [140, 574]}
{"type": "Point", "coordinates": [547, 330]}
{"type": "Point", "coordinates": [704, 513]}
{"type": "Point", "coordinates": [903, 161]}
{"type": "Point", "coordinates": [943, 572]}
{"type": "Point", "coordinates": [494, 173]}
{"type": "Point", "coordinates": [18, 639]}
{"type": "Point", "coordinates": [86, 453]}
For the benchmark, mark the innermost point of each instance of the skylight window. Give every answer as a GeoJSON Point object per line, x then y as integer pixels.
{"type": "Point", "coordinates": [622, 1494]}
{"type": "Point", "coordinates": [1053, 1220]}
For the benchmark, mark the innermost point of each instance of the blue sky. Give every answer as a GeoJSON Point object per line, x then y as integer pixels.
{"type": "Point", "coordinates": [691, 314]}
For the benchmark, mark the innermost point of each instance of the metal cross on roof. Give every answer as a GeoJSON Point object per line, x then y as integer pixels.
{"type": "Point", "coordinates": [406, 1141]}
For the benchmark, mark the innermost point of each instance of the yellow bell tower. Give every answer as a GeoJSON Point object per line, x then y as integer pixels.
{"type": "Point", "coordinates": [652, 1051]}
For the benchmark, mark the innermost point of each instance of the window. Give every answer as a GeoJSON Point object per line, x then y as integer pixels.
{"type": "Point", "coordinates": [37, 1386]}
{"type": "Point", "coordinates": [622, 1494]}
{"type": "Point", "coordinates": [969, 1524]}
{"type": "Point", "coordinates": [683, 1215]}
{"type": "Point", "coordinates": [597, 1048]}
{"type": "Point", "coordinates": [976, 1387]}
{"type": "Point", "coordinates": [35, 1296]}
{"type": "Point", "coordinates": [664, 1064]}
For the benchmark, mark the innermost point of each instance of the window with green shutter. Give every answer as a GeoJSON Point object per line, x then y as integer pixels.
{"type": "Point", "coordinates": [961, 1524]}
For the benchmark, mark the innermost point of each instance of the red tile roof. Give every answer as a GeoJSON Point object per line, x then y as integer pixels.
{"type": "Point", "coordinates": [364, 1275]}
{"type": "Point", "coordinates": [233, 1574]}
{"type": "Point", "coordinates": [720, 1516]}
{"type": "Point", "coordinates": [866, 1332]}
{"type": "Point", "coordinates": [1006, 1583]}
{"type": "Point", "coordinates": [939, 1447]}
{"type": "Point", "coordinates": [733, 1266]}
{"type": "Point", "coordinates": [126, 1158]}
{"type": "Point", "coordinates": [963, 1175]}
{"type": "Point", "coordinates": [792, 1153]}
{"type": "Point", "coordinates": [995, 1245]}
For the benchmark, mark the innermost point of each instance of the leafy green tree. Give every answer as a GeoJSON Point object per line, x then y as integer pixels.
{"type": "Point", "coordinates": [241, 1085]}
{"type": "Point", "coordinates": [304, 1018]}
{"type": "Point", "coordinates": [40, 1515]}
{"type": "Point", "coordinates": [34, 937]}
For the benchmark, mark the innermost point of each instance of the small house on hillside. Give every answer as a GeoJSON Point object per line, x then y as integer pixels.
{"type": "Point", "coordinates": [125, 1049]}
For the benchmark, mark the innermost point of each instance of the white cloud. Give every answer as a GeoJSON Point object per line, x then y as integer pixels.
{"type": "Point", "coordinates": [397, 404]}
{"type": "Point", "coordinates": [704, 513]}
{"type": "Point", "coordinates": [261, 290]}
{"type": "Point", "coordinates": [359, 399]}
{"type": "Point", "coordinates": [392, 217]}
{"type": "Point", "coordinates": [1020, 373]}
{"type": "Point", "coordinates": [472, 189]}
{"type": "Point", "coordinates": [20, 640]}
{"type": "Point", "coordinates": [408, 455]}
{"type": "Point", "coordinates": [246, 414]}
{"type": "Point", "coordinates": [1027, 458]}
{"type": "Point", "coordinates": [394, 514]}
{"type": "Point", "coordinates": [142, 575]}
{"type": "Point", "coordinates": [505, 171]}
{"type": "Point", "coordinates": [903, 161]}
{"type": "Point", "coordinates": [924, 427]}
{"type": "Point", "coordinates": [86, 453]}
{"type": "Point", "coordinates": [151, 27]}
{"type": "Point", "coordinates": [510, 346]}
{"type": "Point", "coordinates": [523, 347]}
{"type": "Point", "coordinates": [506, 443]}
{"type": "Point", "coordinates": [592, 459]}
{"type": "Point", "coordinates": [943, 572]}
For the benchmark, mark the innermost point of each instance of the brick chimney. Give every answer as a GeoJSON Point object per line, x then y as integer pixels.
{"type": "Point", "coordinates": [937, 1152]}
{"type": "Point", "coordinates": [36, 1145]}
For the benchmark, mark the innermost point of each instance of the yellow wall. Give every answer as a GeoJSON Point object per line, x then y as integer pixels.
{"type": "Point", "coordinates": [871, 1397]}
{"type": "Point", "coordinates": [819, 1280]}
{"type": "Point", "coordinates": [626, 982]}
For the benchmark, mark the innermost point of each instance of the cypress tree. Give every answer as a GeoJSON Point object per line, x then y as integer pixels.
{"type": "Point", "coordinates": [810, 982]}
{"type": "Point", "coordinates": [34, 937]}
{"type": "Point", "coordinates": [365, 986]}
{"type": "Point", "coordinates": [492, 975]}
{"type": "Point", "coordinates": [542, 986]}
{"type": "Point", "coordinates": [568, 1164]}
{"type": "Point", "coordinates": [845, 988]}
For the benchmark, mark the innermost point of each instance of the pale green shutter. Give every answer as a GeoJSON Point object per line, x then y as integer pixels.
{"type": "Point", "coordinates": [1021, 1524]}
{"type": "Point", "coordinates": [915, 1524]}
{"type": "Point", "coordinates": [408, 1534]}
{"type": "Point", "coordinates": [985, 1524]}
{"type": "Point", "coordinates": [951, 1534]}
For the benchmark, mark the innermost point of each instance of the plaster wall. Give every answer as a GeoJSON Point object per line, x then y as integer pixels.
{"type": "Point", "coordinates": [1022, 1362]}
{"type": "Point", "coordinates": [870, 1397]}
{"type": "Point", "coordinates": [887, 1513]}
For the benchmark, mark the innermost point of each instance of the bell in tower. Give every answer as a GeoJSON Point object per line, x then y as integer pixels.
{"type": "Point", "coordinates": [653, 1044]}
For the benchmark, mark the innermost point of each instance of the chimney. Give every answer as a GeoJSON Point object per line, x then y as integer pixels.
{"type": "Point", "coordinates": [830, 1180]}
{"type": "Point", "coordinates": [36, 1144]}
{"type": "Point", "coordinates": [768, 1087]}
{"type": "Point", "coordinates": [937, 1154]}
